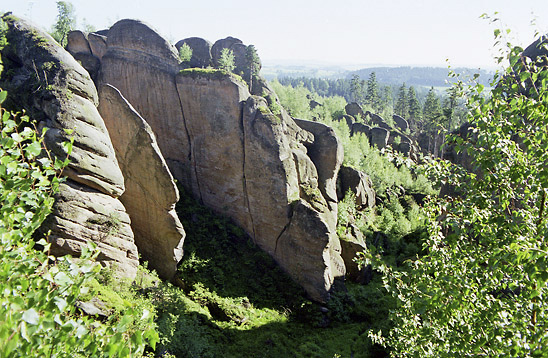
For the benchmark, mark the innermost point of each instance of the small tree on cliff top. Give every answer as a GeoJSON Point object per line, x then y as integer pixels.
{"type": "Point", "coordinates": [226, 61]}
{"type": "Point", "coordinates": [65, 22]}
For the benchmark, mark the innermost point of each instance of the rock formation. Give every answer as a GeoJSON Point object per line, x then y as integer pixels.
{"type": "Point", "coordinates": [359, 183]}
{"type": "Point", "coordinates": [58, 93]}
{"type": "Point", "coordinates": [201, 51]}
{"type": "Point", "coordinates": [354, 109]}
{"type": "Point", "coordinates": [379, 137]}
{"type": "Point", "coordinates": [142, 65]}
{"type": "Point", "coordinates": [151, 194]}
{"type": "Point", "coordinates": [226, 148]}
{"type": "Point", "coordinates": [400, 122]}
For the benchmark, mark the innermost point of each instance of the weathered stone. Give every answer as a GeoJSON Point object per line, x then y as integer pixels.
{"type": "Point", "coordinates": [228, 149]}
{"type": "Point", "coordinates": [359, 183]}
{"type": "Point", "coordinates": [77, 42]}
{"type": "Point", "coordinates": [98, 44]}
{"type": "Point", "coordinates": [62, 98]}
{"type": "Point", "coordinates": [379, 137]}
{"type": "Point", "coordinates": [349, 120]}
{"type": "Point", "coordinates": [360, 128]}
{"type": "Point", "coordinates": [350, 248]}
{"type": "Point", "coordinates": [221, 44]}
{"type": "Point", "coordinates": [379, 121]}
{"type": "Point", "coordinates": [404, 148]}
{"type": "Point", "coordinates": [90, 63]}
{"type": "Point", "coordinates": [327, 155]}
{"type": "Point", "coordinates": [151, 194]}
{"type": "Point", "coordinates": [201, 51]}
{"type": "Point", "coordinates": [142, 65]}
{"type": "Point", "coordinates": [240, 61]}
{"type": "Point", "coordinates": [355, 110]}
{"type": "Point", "coordinates": [400, 122]}
{"type": "Point", "coordinates": [212, 112]}
{"type": "Point", "coordinates": [80, 215]}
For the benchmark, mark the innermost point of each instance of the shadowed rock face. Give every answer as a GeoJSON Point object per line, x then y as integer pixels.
{"type": "Point", "coordinates": [227, 148]}
{"type": "Point", "coordinates": [61, 96]}
{"type": "Point", "coordinates": [359, 183]}
{"type": "Point", "coordinates": [151, 194]}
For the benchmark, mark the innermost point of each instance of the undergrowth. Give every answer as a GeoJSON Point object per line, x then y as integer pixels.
{"type": "Point", "coordinates": [232, 300]}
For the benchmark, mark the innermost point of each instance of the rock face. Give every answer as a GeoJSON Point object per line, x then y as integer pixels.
{"type": "Point", "coordinates": [327, 154]}
{"type": "Point", "coordinates": [360, 128]}
{"type": "Point", "coordinates": [379, 137]}
{"type": "Point", "coordinates": [400, 122]}
{"type": "Point", "coordinates": [63, 97]}
{"type": "Point", "coordinates": [201, 51]}
{"type": "Point", "coordinates": [359, 183]}
{"type": "Point", "coordinates": [219, 45]}
{"type": "Point", "coordinates": [353, 109]}
{"type": "Point", "coordinates": [151, 194]}
{"type": "Point", "coordinates": [142, 66]}
{"type": "Point", "coordinates": [227, 149]}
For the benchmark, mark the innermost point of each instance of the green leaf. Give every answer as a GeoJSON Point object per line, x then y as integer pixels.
{"type": "Point", "coordinates": [31, 316]}
{"type": "Point", "coordinates": [3, 95]}
{"type": "Point", "coordinates": [33, 150]}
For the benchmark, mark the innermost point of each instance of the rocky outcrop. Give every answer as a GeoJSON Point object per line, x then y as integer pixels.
{"type": "Point", "coordinates": [62, 97]}
{"type": "Point", "coordinates": [379, 137]}
{"type": "Point", "coordinates": [151, 194]}
{"type": "Point", "coordinates": [142, 65]}
{"type": "Point", "coordinates": [327, 154]}
{"type": "Point", "coordinates": [400, 122]}
{"type": "Point", "coordinates": [355, 110]}
{"type": "Point", "coordinates": [253, 167]}
{"type": "Point", "coordinates": [231, 153]}
{"type": "Point", "coordinates": [221, 44]}
{"type": "Point", "coordinates": [359, 184]}
{"type": "Point", "coordinates": [360, 128]}
{"type": "Point", "coordinates": [201, 51]}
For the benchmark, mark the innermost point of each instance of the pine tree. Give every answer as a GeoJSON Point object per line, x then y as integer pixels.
{"type": "Point", "coordinates": [414, 107]}
{"type": "Point", "coordinates": [432, 119]}
{"type": "Point", "coordinates": [357, 89]}
{"type": "Point", "coordinates": [402, 103]}
{"type": "Point", "coordinates": [372, 97]}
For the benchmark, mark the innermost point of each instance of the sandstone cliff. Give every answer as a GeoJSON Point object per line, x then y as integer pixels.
{"type": "Point", "coordinates": [58, 93]}
{"type": "Point", "coordinates": [227, 148]}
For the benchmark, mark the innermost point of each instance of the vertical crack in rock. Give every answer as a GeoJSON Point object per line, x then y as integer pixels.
{"type": "Point", "coordinates": [190, 155]}
{"type": "Point", "coordinates": [244, 179]}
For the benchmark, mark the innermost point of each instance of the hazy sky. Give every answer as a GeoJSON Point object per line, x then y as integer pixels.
{"type": "Point", "coordinates": [386, 32]}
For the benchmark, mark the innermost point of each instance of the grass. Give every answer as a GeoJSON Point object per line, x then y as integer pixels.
{"type": "Point", "coordinates": [234, 301]}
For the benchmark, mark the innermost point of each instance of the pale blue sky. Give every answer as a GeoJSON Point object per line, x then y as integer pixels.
{"type": "Point", "coordinates": [386, 32]}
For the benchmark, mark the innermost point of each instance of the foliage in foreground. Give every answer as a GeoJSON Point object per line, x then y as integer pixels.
{"type": "Point", "coordinates": [481, 289]}
{"type": "Point", "coordinates": [38, 292]}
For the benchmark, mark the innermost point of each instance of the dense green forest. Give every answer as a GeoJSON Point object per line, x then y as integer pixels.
{"type": "Point", "coordinates": [459, 273]}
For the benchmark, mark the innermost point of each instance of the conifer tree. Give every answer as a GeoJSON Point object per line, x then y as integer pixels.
{"type": "Point", "coordinates": [402, 103]}
{"type": "Point", "coordinates": [372, 97]}
{"type": "Point", "coordinates": [357, 89]}
{"type": "Point", "coordinates": [414, 108]}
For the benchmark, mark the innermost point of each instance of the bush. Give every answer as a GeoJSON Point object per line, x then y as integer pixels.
{"type": "Point", "coordinates": [481, 288]}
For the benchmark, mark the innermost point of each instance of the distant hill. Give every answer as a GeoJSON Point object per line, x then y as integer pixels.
{"type": "Point", "coordinates": [392, 76]}
{"type": "Point", "coordinates": [420, 76]}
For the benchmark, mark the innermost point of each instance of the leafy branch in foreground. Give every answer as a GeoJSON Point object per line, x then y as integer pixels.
{"type": "Point", "coordinates": [481, 288]}
{"type": "Point", "coordinates": [38, 292]}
